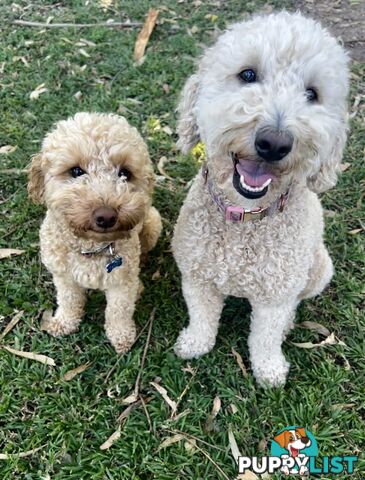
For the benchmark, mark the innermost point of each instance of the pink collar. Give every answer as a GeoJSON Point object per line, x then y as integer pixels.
{"type": "Point", "coordinates": [238, 214]}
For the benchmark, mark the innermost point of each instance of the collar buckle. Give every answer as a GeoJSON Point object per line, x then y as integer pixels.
{"type": "Point", "coordinates": [235, 214]}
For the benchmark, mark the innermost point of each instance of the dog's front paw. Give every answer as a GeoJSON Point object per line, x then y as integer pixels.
{"type": "Point", "coordinates": [189, 345]}
{"type": "Point", "coordinates": [122, 339]}
{"type": "Point", "coordinates": [273, 373]}
{"type": "Point", "coordinates": [59, 325]}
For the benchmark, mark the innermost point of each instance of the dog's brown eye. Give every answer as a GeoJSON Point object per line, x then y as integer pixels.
{"type": "Point", "coordinates": [311, 95]}
{"type": "Point", "coordinates": [124, 172]}
{"type": "Point", "coordinates": [77, 172]}
{"type": "Point", "coordinates": [248, 76]}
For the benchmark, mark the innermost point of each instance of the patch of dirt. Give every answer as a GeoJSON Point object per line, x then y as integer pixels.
{"type": "Point", "coordinates": [345, 19]}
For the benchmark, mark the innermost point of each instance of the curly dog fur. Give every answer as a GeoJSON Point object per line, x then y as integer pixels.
{"type": "Point", "coordinates": [106, 199]}
{"type": "Point", "coordinates": [299, 92]}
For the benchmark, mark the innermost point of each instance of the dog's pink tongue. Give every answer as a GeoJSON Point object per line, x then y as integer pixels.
{"type": "Point", "coordinates": [254, 172]}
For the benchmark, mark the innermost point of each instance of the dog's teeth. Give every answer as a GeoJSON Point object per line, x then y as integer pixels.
{"type": "Point", "coordinates": [253, 189]}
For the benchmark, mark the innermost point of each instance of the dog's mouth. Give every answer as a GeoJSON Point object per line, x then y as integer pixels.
{"type": "Point", "coordinates": [294, 452]}
{"type": "Point", "coordinates": [251, 178]}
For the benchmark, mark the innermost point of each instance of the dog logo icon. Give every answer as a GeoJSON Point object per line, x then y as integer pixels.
{"type": "Point", "coordinates": [294, 445]}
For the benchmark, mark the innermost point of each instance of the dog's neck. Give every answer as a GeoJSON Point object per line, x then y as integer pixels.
{"type": "Point", "coordinates": [238, 213]}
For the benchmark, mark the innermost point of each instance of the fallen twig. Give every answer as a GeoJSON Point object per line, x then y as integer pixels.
{"type": "Point", "coordinates": [9, 456]}
{"type": "Point", "coordinates": [139, 376]}
{"type": "Point", "coordinates": [144, 34]}
{"type": "Point", "coordinates": [26, 23]}
{"type": "Point", "coordinates": [182, 394]}
{"type": "Point", "coordinates": [146, 413]}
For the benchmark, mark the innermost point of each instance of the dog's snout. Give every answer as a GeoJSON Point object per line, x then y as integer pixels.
{"type": "Point", "coordinates": [105, 217]}
{"type": "Point", "coordinates": [272, 144]}
{"type": "Point", "coordinates": [305, 440]}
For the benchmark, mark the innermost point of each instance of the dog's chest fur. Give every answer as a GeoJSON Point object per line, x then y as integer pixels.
{"type": "Point", "coordinates": [254, 259]}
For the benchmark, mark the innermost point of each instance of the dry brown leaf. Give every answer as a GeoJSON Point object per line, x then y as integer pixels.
{"type": "Point", "coordinates": [144, 34]}
{"type": "Point", "coordinates": [355, 231]}
{"type": "Point", "coordinates": [84, 53]}
{"type": "Point", "coordinates": [345, 166]}
{"type": "Point", "coordinates": [78, 95]}
{"type": "Point", "coordinates": [156, 275]}
{"type": "Point", "coordinates": [171, 440]}
{"type": "Point", "coordinates": [330, 340]}
{"type": "Point", "coordinates": [316, 327]}
{"type": "Point", "coordinates": [127, 411]}
{"type": "Point", "coordinates": [233, 408]}
{"type": "Point", "coordinates": [341, 406]}
{"type": "Point", "coordinates": [160, 168]}
{"type": "Point", "coordinates": [113, 438]}
{"type": "Point", "coordinates": [163, 392]}
{"type": "Point", "coordinates": [7, 252]}
{"type": "Point", "coordinates": [38, 91]}
{"type": "Point", "coordinates": [31, 356]}
{"type": "Point", "coordinates": [265, 476]}
{"type": "Point", "coordinates": [130, 399]}
{"type": "Point", "coordinates": [75, 371]}
{"type": "Point", "coordinates": [209, 424]}
{"type": "Point", "coordinates": [11, 324]}
{"type": "Point", "coordinates": [240, 362]}
{"type": "Point", "coordinates": [83, 42]}
{"type": "Point", "coordinates": [262, 446]}
{"type": "Point", "coordinates": [6, 149]}
{"type": "Point", "coordinates": [233, 446]}
{"type": "Point", "coordinates": [9, 456]}
{"type": "Point", "coordinates": [190, 445]}
{"type": "Point", "coordinates": [329, 213]}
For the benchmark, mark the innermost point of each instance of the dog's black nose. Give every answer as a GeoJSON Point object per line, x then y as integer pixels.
{"type": "Point", "coordinates": [105, 217]}
{"type": "Point", "coordinates": [272, 144]}
{"type": "Point", "coordinates": [305, 440]}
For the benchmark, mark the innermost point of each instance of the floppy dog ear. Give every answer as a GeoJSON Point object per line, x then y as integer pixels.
{"type": "Point", "coordinates": [326, 177]}
{"type": "Point", "coordinates": [282, 439]}
{"type": "Point", "coordinates": [187, 127]}
{"type": "Point", "coordinates": [36, 179]}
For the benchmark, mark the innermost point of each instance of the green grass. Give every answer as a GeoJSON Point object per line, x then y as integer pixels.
{"type": "Point", "coordinates": [72, 419]}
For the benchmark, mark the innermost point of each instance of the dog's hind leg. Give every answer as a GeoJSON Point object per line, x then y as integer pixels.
{"type": "Point", "coordinates": [319, 275]}
{"type": "Point", "coordinates": [151, 230]}
{"type": "Point", "coordinates": [269, 324]}
{"type": "Point", "coordinates": [119, 324]}
{"type": "Point", "coordinates": [205, 306]}
{"type": "Point", "coordinates": [70, 300]}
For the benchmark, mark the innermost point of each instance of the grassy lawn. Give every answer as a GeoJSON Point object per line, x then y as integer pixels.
{"type": "Point", "coordinates": [69, 420]}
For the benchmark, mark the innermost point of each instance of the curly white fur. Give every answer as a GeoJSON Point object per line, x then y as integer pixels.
{"type": "Point", "coordinates": [281, 259]}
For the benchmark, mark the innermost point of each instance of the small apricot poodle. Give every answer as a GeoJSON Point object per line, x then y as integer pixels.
{"type": "Point", "coordinates": [95, 176]}
{"type": "Point", "coordinates": [268, 100]}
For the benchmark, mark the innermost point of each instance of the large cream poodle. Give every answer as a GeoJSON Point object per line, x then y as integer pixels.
{"type": "Point", "coordinates": [269, 102]}
{"type": "Point", "coordinates": [95, 176]}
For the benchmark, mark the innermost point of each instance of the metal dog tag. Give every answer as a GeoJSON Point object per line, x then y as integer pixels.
{"type": "Point", "coordinates": [116, 262]}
